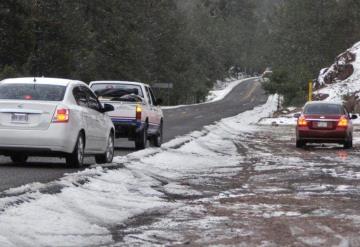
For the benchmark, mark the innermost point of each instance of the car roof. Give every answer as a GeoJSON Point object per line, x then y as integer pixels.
{"type": "Point", "coordinates": [41, 80]}
{"type": "Point", "coordinates": [119, 82]}
{"type": "Point", "coordinates": [323, 103]}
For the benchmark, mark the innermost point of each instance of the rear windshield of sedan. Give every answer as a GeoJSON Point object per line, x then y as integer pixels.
{"type": "Point", "coordinates": [331, 109]}
{"type": "Point", "coordinates": [108, 89]}
{"type": "Point", "coordinates": [42, 92]}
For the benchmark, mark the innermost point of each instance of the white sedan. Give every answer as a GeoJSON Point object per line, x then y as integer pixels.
{"type": "Point", "coordinates": [54, 117]}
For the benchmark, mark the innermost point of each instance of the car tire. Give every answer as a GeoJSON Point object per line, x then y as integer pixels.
{"type": "Point", "coordinates": [158, 139]}
{"type": "Point", "coordinates": [76, 158]}
{"type": "Point", "coordinates": [19, 158]}
{"type": "Point", "coordinates": [141, 139]}
{"type": "Point", "coordinates": [300, 144]}
{"type": "Point", "coordinates": [108, 156]}
{"type": "Point", "coordinates": [348, 143]}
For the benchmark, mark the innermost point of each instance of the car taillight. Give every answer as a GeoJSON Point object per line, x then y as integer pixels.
{"type": "Point", "coordinates": [343, 122]}
{"type": "Point", "coordinates": [61, 116]}
{"type": "Point", "coordinates": [138, 112]}
{"type": "Point", "coordinates": [302, 121]}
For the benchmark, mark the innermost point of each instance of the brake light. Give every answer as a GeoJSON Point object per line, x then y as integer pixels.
{"type": "Point", "coordinates": [343, 122]}
{"type": "Point", "coordinates": [61, 116]}
{"type": "Point", "coordinates": [302, 121]}
{"type": "Point", "coordinates": [138, 112]}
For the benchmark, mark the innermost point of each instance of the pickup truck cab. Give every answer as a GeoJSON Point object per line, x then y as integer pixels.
{"type": "Point", "coordinates": [137, 114]}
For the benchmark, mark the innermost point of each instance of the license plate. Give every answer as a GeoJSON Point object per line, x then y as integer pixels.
{"type": "Point", "coordinates": [19, 118]}
{"type": "Point", "coordinates": [322, 124]}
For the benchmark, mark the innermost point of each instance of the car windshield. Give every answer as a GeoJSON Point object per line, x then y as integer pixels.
{"type": "Point", "coordinates": [331, 109]}
{"type": "Point", "coordinates": [116, 90]}
{"type": "Point", "coordinates": [42, 92]}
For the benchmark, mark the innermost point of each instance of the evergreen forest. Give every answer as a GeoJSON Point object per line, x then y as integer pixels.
{"type": "Point", "coordinates": [190, 43]}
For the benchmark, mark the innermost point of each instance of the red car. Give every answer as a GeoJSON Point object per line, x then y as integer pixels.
{"type": "Point", "coordinates": [324, 122]}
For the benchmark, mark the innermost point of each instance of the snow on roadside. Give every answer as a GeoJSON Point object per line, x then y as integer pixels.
{"type": "Point", "coordinates": [279, 121]}
{"type": "Point", "coordinates": [223, 89]}
{"type": "Point", "coordinates": [82, 208]}
{"type": "Point", "coordinates": [216, 94]}
{"type": "Point", "coordinates": [76, 216]}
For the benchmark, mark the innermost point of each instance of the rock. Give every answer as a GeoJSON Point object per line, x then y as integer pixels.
{"type": "Point", "coordinates": [352, 102]}
{"type": "Point", "coordinates": [340, 70]}
{"type": "Point", "coordinates": [345, 71]}
{"type": "Point", "coordinates": [346, 57]}
{"type": "Point", "coordinates": [320, 96]}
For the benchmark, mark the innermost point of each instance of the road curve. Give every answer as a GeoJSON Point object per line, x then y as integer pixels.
{"type": "Point", "coordinates": [179, 121]}
{"type": "Point", "coordinates": [245, 96]}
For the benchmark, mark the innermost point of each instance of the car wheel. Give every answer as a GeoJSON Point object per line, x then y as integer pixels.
{"type": "Point", "coordinates": [19, 158]}
{"type": "Point", "coordinates": [76, 158]}
{"type": "Point", "coordinates": [300, 144]}
{"type": "Point", "coordinates": [157, 139]}
{"type": "Point", "coordinates": [108, 156]}
{"type": "Point", "coordinates": [141, 139]}
{"type": "Point", "coordinates": [348, 143]}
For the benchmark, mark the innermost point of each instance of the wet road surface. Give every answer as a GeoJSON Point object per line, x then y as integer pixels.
{"type": "Point", "coordinates": [279, 196]}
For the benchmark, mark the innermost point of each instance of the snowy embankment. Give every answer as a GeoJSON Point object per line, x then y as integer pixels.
{"type": "Point", "coordinates": [216, 94]}
{"type": "Point", "coordinates": [84, 208]}
{"type": "Point", "coordinates": [349, 86]}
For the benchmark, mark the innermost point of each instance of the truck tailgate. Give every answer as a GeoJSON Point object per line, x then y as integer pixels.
{"type": "Point", "coordinates": [123, 111]}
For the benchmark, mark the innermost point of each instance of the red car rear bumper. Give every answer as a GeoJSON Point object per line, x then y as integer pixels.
{"type": "Point", "coordinates": [322, 136]}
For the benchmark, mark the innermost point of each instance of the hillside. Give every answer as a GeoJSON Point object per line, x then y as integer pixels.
{"type": "Point", "coordinates": [341, 81]}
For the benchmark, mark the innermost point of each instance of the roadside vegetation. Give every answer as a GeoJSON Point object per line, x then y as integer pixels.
{"type": "Point", "coordinates": [190, 43]}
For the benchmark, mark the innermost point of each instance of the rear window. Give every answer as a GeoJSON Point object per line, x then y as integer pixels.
{"type": "Point", "coordinates": [42, 92]}
{"type": "Point", "coordinates": [324, 109]}
{"type": "Point", "coordinates": [109, 90]}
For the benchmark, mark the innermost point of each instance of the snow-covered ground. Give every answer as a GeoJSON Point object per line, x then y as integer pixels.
{"type": "Point", "coordinates": [278, 121]}
{"type": "Point", "coordinates": [82, 208]}
{"type": "Point", "coordinates": [218, 93]}
{"type": "Point", "coordinates": [223, 88]}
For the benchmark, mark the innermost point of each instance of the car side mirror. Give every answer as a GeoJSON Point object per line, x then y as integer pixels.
{"type": "Point", "coordinates": [107, 108]}
{"type": "Point", "coordinates": [159, 101]}
{"type": "Point", "coordinates": [297, 115]}
{"type": "Point", "coordinates": [354, 116]}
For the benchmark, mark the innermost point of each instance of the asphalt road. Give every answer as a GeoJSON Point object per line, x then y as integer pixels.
{"type": "Point", "coordinates": [178, 122]}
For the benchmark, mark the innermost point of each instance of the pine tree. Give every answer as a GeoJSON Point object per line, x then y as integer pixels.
{"type": "Point", "coordinates": [15, 39]}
